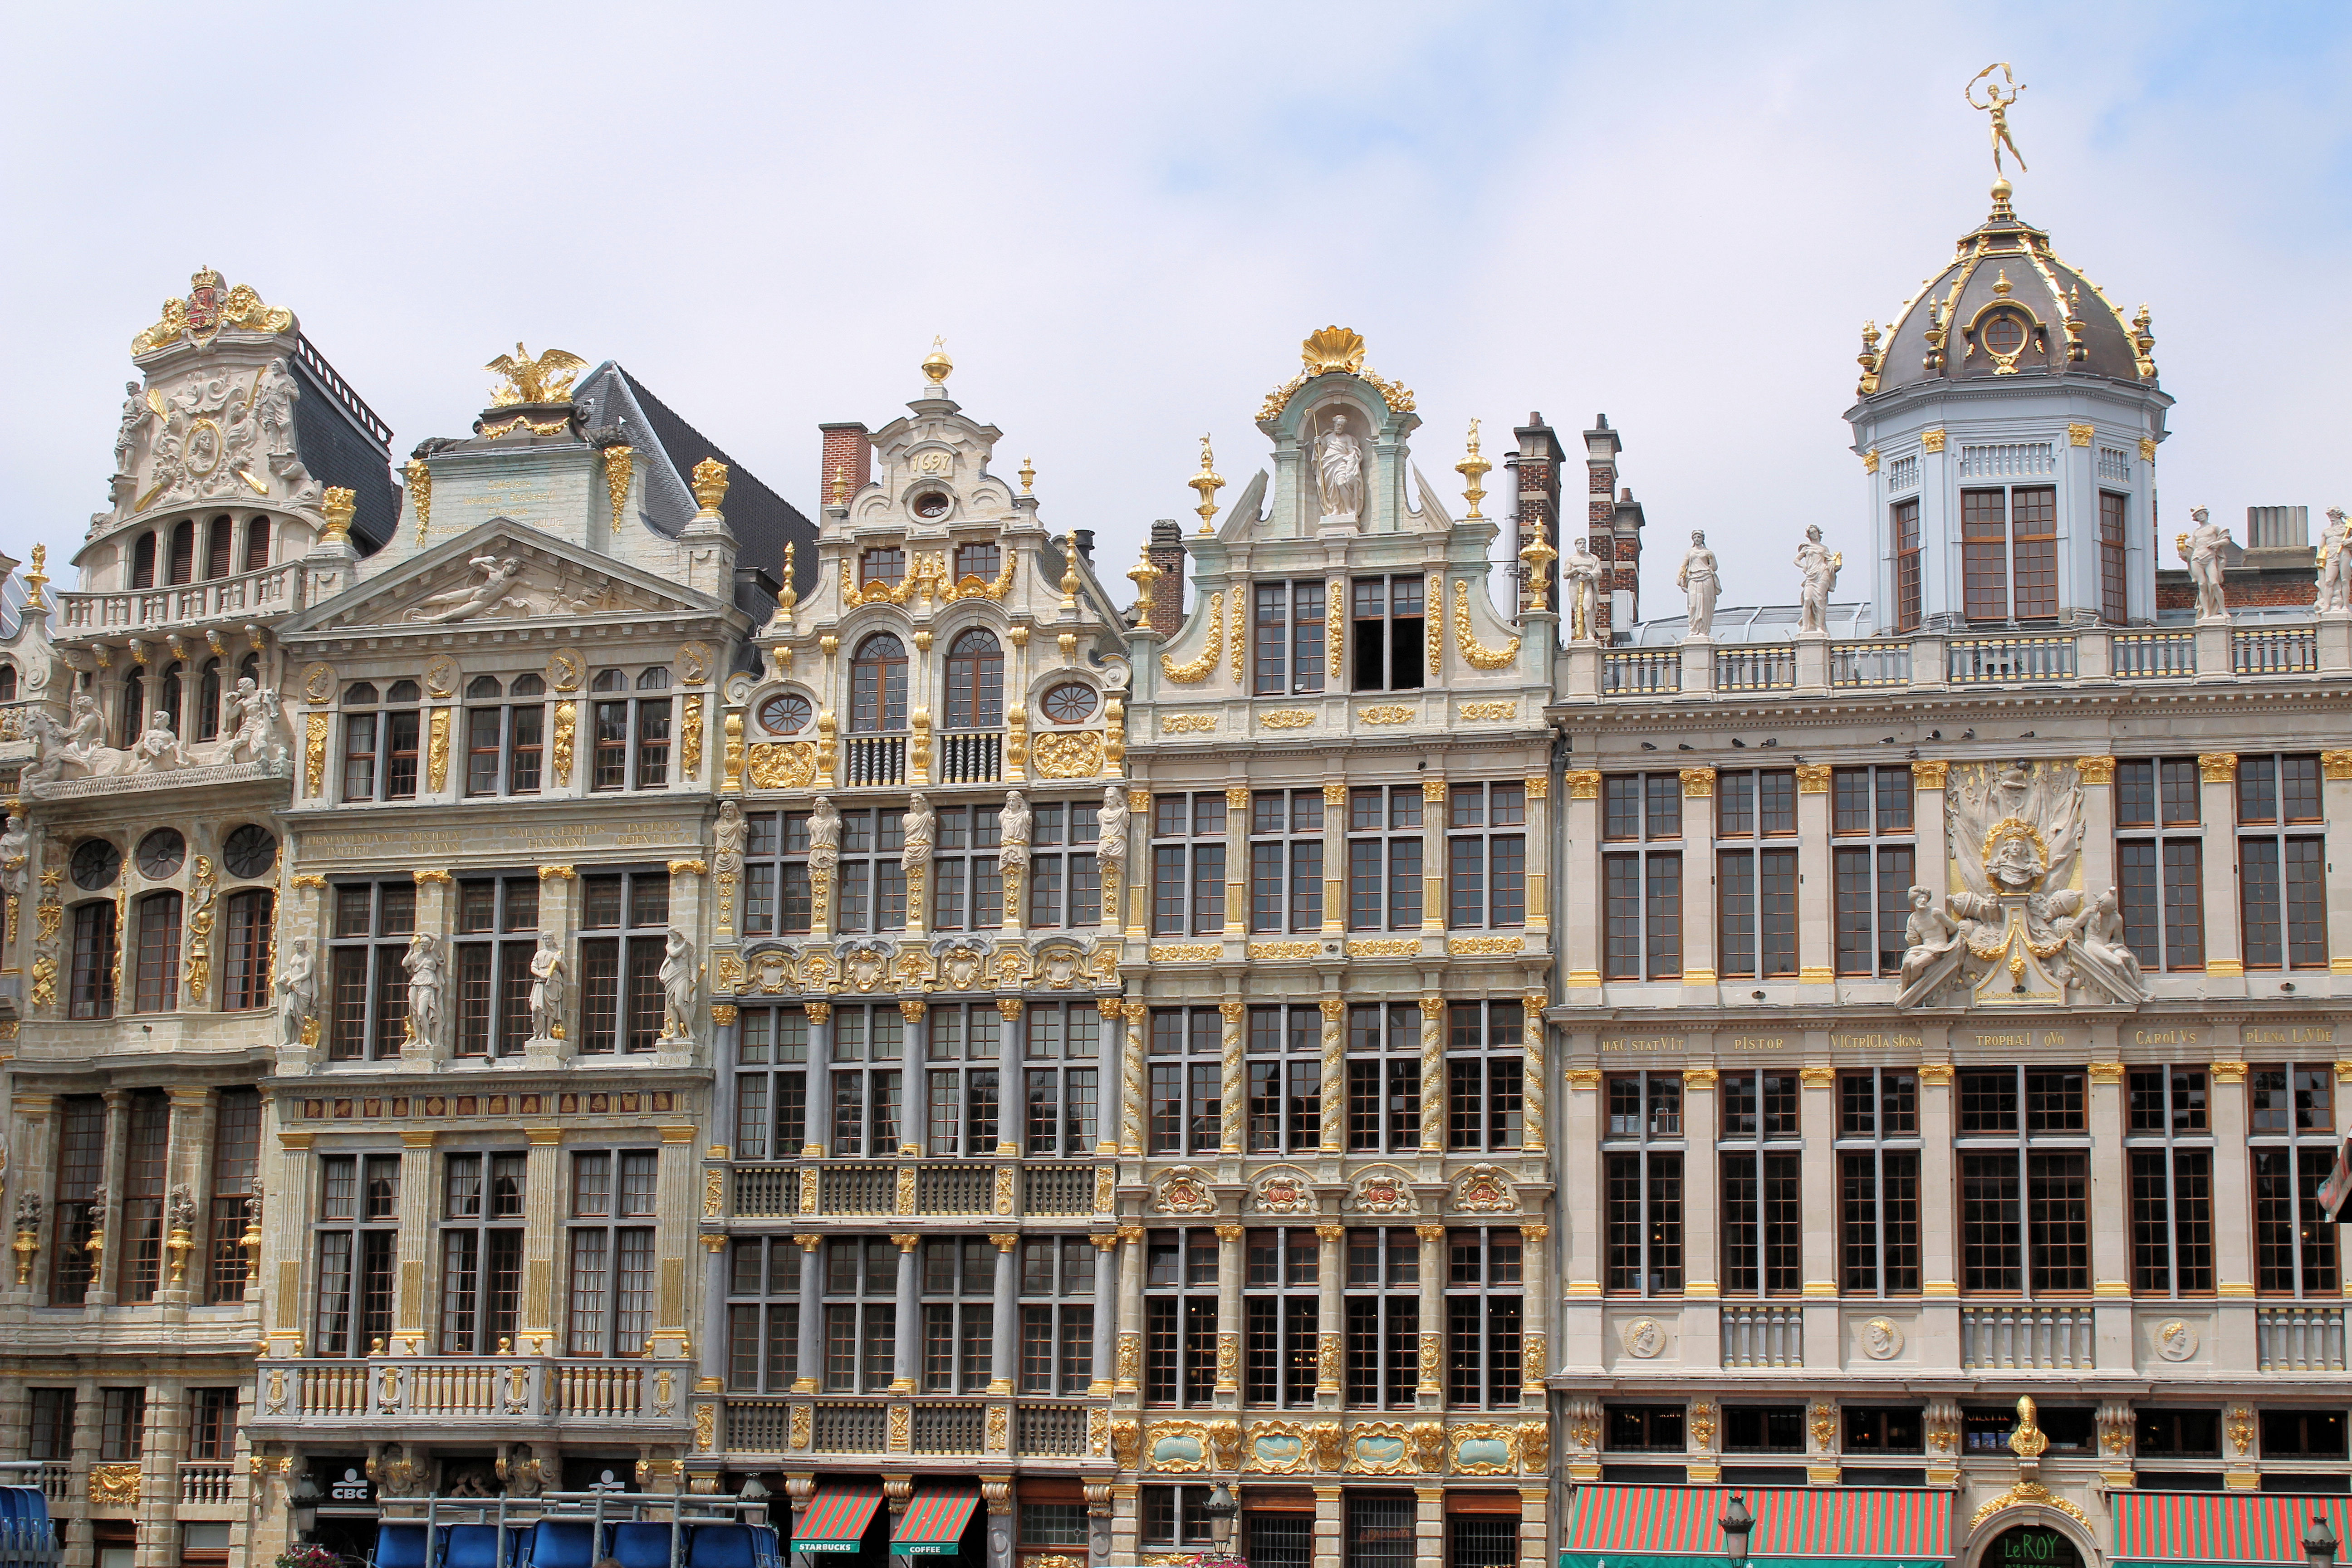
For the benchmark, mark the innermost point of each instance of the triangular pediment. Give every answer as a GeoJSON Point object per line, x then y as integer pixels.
{"type": "Point", "coordinates": [500, 572]}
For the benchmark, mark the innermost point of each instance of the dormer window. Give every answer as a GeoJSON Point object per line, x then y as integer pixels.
{"type": "Point", "coordinates": [2003, 333]}
{"type": "Point", "coordinates": [887, 567]}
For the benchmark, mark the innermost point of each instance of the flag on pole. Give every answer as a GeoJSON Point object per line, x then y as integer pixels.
{"type": "Point", "coordinates": [2334, 1191]}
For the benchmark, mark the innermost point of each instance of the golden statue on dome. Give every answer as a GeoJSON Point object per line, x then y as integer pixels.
{"type": "Point", "coordinates": [1996, 104]}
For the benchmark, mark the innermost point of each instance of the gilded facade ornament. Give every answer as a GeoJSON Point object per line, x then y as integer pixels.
{"type": "Point", "coordinates": [1480, 656]}
{"type": "Point", "coordinates": [1433, 633]}
{"type": "Point", "coordinates": [419, 474]}
{"type": "Point", "coordinates": [2218, 767]}
{"type": "Point", "coordinates": [1196, 670]}
{"type": "Point", "coordinates": [209, 307]}
{"type": "Point", "coordinates": [544, 379]}
{"type": "Point", "coordinates": [619, 462]}
{"type": "Point", "coordinates": [566, 718]}
{"type": "Point", "coordinates": [314, 756]}
{"type": "Point", "coordinates": [689, 736]}
{"type": "Point", "coordinates": [1812, 778]}
{"type": "Point", "coordinates": [709, 484]}
{"type": "Point", "coordinates": [437, 751]}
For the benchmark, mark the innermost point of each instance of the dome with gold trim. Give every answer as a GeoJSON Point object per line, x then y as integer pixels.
{"type": "Point", "coordinates": [2006, 305]}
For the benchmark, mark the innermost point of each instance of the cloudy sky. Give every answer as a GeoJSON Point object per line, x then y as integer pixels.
{"type": "Point", "coordinates": [1123, 219]}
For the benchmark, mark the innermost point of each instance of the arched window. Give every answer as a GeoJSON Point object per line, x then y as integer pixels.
{"type": "Point", "coordinates": [155, 985]}
{"type": "Point", "coordinates": [7, 683]}
{"type": "Point", "coordinates": [90, 993]}
{"type": "Point", "coordinates": [220, 548]}
{"type": "Point", "coordinates": [877, 685]}
{"type": "Point", "coordinates": [610, 680]}
{"type": "Point", "coordinates": [133, 716]}
{"type": "Point", "coordinates": [245, 967]}
{"type": "Point", "coordinates": [143, 562]}
{"type": "Point", "coordinates": [168, 695]}
{"type": "Point", "coordinates": [975, 681]}
{"type": "Point", "coordinates": [184, 550]}
{"type": "Point", "coordinates": [208, 700]}
{"type": "Point", "coordinates": [257, 544]}
{"type": "Point", "coordinates": [249, 668]}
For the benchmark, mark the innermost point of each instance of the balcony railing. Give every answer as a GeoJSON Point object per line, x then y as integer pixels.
{"type": "Point", "coordinates": [2002, 661]}
{"type": "Point", "coordinates": [951, 1429]}
{"type": "Point", "coordinates": [2026, 1337]}
{"type": "Point", "coordinates": [2150, 655]}
{"type": "Point", "coordinates": [504, 1388]}
{"type": "Point", "coordinates": [2299, 1339]}
{"type": "Point", "coordinates": [1641, 673]}
{"type": "Point", "coordinates": [1770, 667]}
{"type": "Point", "coordinates": [1057, 1189]}
{"type": "Point", "coordinates": [2276, 650]}
{"type": "Point", "coordinates": [57, 1482]}
{"type": "Point", "coordinates": [208, 1482]}
{"type": "Point", "coordinates": [976, 757]}
{"type": "Point", "coordinates": [1870, 663]}
{"type": "Point", "coordinates": [874, 759]}
{"type": "Point", "coordinates": [262, 594]}
{"type": "Point", "coordinates": [949, 1189]}
{"type": "Point", "coordinates": [1763, 1336]}
{"type": "Point", "coordinates": [1050, 1431]}
{"type": "Point", "coordinates": [851, 1428]}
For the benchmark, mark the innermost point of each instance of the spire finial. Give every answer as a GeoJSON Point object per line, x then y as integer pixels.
{"type": "Point", "coordinates": [937, 366]}
{"type": "Point", "coordinates": [1474, 468]}
{"type": "Point", "coordinates": [1208, 483]}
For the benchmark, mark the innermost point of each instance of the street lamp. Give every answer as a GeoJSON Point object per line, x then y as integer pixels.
{"type": "Point", "coordinates": [752, 1491]}
{"type": "Point", "coordinates": [1736, 1523]}
{"type": "Point", "coordinates": [304, 1500]}
{"type": "Point", "coordinates": [1220, 1510]}
{"type": "Point", "coordinates": [2319, 1544]}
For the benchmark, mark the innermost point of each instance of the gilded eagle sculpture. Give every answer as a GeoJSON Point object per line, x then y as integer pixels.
{"type": "Point", "coordinates": [547, 379]}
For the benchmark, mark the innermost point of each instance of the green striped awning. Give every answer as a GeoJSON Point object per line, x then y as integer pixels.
{"type": "Point", "coordinates": [2220, 1527]}
{"type": "Point", "coordinates": [1664, 1527]}
{"type": "Point", "coordinates": [933, 1523]}
{"type": "Point", "coordinates": [836, 1518]}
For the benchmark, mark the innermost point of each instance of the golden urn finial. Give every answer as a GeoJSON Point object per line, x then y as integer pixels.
{"type": "Point", "coordinates": [787, 596]}
{"type": "Point", "coordinates": [1208, 482]}
{"type": "Point", "coordinates": [937, 366]}
{"type": "Point", "coordinates": [1333, 348]}
{"type": "Point", "coordinates": [840, 492]}
{"type": "Point", "coordinates": [39, 577]}
{"type": "Point", "coordinates": [710, 485]}
{"type": "Point", "coordinates": [1028, 472]}
{"type": "Point", "coordinates": [1143, 575]}
{"type": "Point", "coordinates": [1539, 554]}
{"type": "Point", "coordinates": [337, 506]}
{"type": "Point", "coordinates": [1069, 570]}
{"type": "Point", "coordinates": [1474, 468]}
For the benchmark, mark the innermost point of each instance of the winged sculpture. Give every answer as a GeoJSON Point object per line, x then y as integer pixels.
{"type": "Point", "coordinates": [547, 379]}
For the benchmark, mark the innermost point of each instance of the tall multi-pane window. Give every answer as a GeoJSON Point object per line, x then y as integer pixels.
{"type": "Point", "coordinates": [869, 1052]}
{"type": "Point", "coordinates": [2160, 861]}
{"type": "Point", "coordinates": [1188, 864]}
{"type": "Point", "coordinates": [1064, 880]}
{"type": "Point", "coordinates": [1484, 1318]}
{"type": "Point", "coordinates": [975, 690]}
{"type": "Point", "coordinates": [871, 882]}
{"type": "Point", "coordinates": [878, 685]}
{"type": "Point", "coordinates": [497, 925]}
{"type": "Point", "coordinates": [861, 1315]}
{"type": "Point", "coordinates": [1487, 855]}
{"type": "Point", "coordinates": [2291, 1135]}
{"type": "Point", "coordinates": [1061, 1076]}
{"type": "Point", "coordinates": [212, 1423]}
{"type": "Point", "coordinates": [1385, 622]}
{"type": "Point", "coordinates": [776, 891]}
{"type": "Point", "coordinates": [1384, 1077]}
{"type": "Point", "coordinates": [772, 1047]}
{"type": "Point", "coordinates": [90, 986]}
{"type": "Point", "coordinates": [1756, 885]}
{"type": "Point", "coordinates": [1180, 1316]}
{"type": "Point", "coordinates": [1878, 1181]}
{"type": "Point", "coordinates": [155, 953]}
{"type": "Point", "coordinates": [1384, 851]}
{"type": "Point", "coordinates": [81, 1165]}
{"type": "Point", "coordinates": [148, 1129]}
{"type": "Point", "coordinates": [1287, 646]}
{"type": "Point", "coordinates": [368, 988]}
{"type": "Point", "coordinates": [1906, 520]}
{"type": "Point", "coordinates": [122, 1426]}
{"type": "Point", "coordinates": [886, 565]}
{"type": "Point", "coordinates": [50, 1432]}
{"type": "Point", "coordinates": [481, 1251]}
{"type": "Point", "coordinates": [624, 926]}
{"type": "Point", "coordinates": [611, 1266]}
{"type": "Point", "coordinates": [506, 735]}
{"type": "Point", "coordinates": [1642, 1185]}
{"type": "Point", "coordinates": [2114, 533]}
{"type": "Point", "coordinates": [1185, 1102]}
{"type": "Point", "coordinates": [357, 1239]}
{"type": "Point", "coordinates": [2024, 1138]}
{"type": "Point", "coordinates": [1286, 850]}
{"type": "Point", "coordinates": [2282, 872]}
{"type": "Point", "coordinates": [763, 1315]}
{"type": "Point", "coordinates": [1641, 876]}
{"type": "Point", "coordinates": [2169, 1144]}
{"type": "Point", "coordinates": [245, 951]}
{"type": "Point", "coordinates": [966, 880]}
{"type": "Point", "coordinates": [2008, 553]}
{"type": "Point", "coordinates": [958, 1286]}
{"type": "Point", "coordinates": [1485, 1075]}
{"type": "Point", "coordinates": [632, 736]}
{"type": "Point", "coordinates": [380, 741]}
{"type": "Point", "coordinates": [1381, 1317]}
{"type": "Point", "coordinates": [1281, 1272]}
{"type": "Point", "coordinates": [978, 559]}
{"type": "Point", "coordinates": [236, 1164]}
{"type": "Point", "coordinates": [1177, 1516]}
{"type": "Point", "coordinates": [1872, 856]}
{"type": "Point", "coordinates": [963, 1052]}
{"type": "Point", "coordinates": [1057, 1314]}
{"type": "Point", "coordinates": [1760, 1148]}
{"type": "Point", "coordinates": [1381, 1531]}
{"type": "Point", "coordinates": [1284, 1082]}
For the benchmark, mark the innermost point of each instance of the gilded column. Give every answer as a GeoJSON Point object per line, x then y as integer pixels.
{"type": "Point", "coordinates": [1127, 1369]}
{"type": "Point", "coordinates": [415, 1247]}
{"type": "Point", "coordinates": [1535, 1359]}
{"type": "Point", "coordinates": [1335, 1075]}
{"type": "Point", "coordinates": [1335, 858]}
{"type": "Point", "coordinates": [1538, 858]}
{"type": "Point", "coordinates": [1433, 849]}
{"type": "Point", "coordinates": [1698, 878]}
{"type": "Point", "coordinates": [1535, 1081]}
{"type": "Point", "coordinates": [1237, 821]}
{"type": "Point", "coordinates": [1229, 1315]}
{"type": "Point", "coordinates": [542, 1186]}
{"type": "Point", "coordinates": [1816, 921]}
{"type": "Point", "coordinates": [1328, 1279]}
{"type": "Point", "coordinates": [1429, 1390]}
{"type": "Point", "coordinates": [1134, 1083]}
{"type": "Point", "coordinates": [1233, 1083]}
{"type": "Point", "coordinates": [1432, 1075]}
{"type": "Point", "coordinates": [1579, 850]}
{"type": "Point", "coordinates": [2224, 944]}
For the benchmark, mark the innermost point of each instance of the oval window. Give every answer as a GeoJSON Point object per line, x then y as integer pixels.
{"type": "Point", "coordinates": [161, 853]}
{"type": "Point", "coordinates": [2004, 332]}
{"type": "Point", "coordinates": [931, 503]}
{"type": "Point", "coordinates": [785, 714]}
{"type": "Point", "coordinates": [1069, 702]}
{"type": "Point", "coordinates": [95, 864]}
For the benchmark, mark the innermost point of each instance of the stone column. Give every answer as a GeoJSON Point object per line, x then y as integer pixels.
{"type": "Point", "coordinates": [2098, 839]}
{"type": "Point", "coordinates": [1940, 1261]}
{"type": "Point", "coordinates": [543, 1189]}
{"type": "Point", "coordinates": [1106, 1312]}
{"type": "Point", "coordinates": [1698, 883]}
{"type": "Point", "coordinates": [1539, 860]}
{"type": "Point", "coordinates": [1580, 1219]}
{"type": "Point", "coordinates": [718, 1349]}
{"type": "Point", "coordinates": [1227, 1393]}
{"type": "Point", "coordinates": [1433, 853]}
{"type": "Point", "coordinates": [818, 1101]}
{"type": "Point", "coordinates": [810, 1353]}
{"type": "Point", "coordinates": [1138, 864]}
{"type": "Point", "coordinates": [1535, 1527]}
{"type": "Point", "coordinates": [2336, 806]}
{"type": "Point", "coordinates": [906, 1348]}
{"type": "Point", "coordinates": [1237, 816]}
{"type": "Point", "coordinates": [2225, 969]}
{"type": "Point", "coordinates": [1330, 1525]}
{"type": "Point", "coordinates": [2110, 1205]}
{"type": "Point", "coordinates": [1329, 1315]}
{"type": "Point", "coordinates": [1335, 861]}
{"type": "Point", "coordinates": [159, 1475]}
{"type": "Point", "coordinates": [2234, 1251]}
{"type": "Point", "coordinates": [1127, 1370]}
{"type": "Point", "coordinates": [1429, 1526]}
{"type": "Point", "coordinates": [1232, 1082]}
{"type": "Point", "coordinates": [1816, 915]}
{"type": "Point", "coordinates": [106, 1220]}
{"type": "Point", "coordinates": [37, 1166]}
{"type": "Point", "coordinates": [1433, 1076]}
{"type": "Point", "coordinates": [412, 1254]}
{"type": "Point", "coordinates": [1135, 1083]}
{"type": "Point", "coordinates": [1579, 858]}
{"type": "Point", "coordinates": [1335, 1075]}
{"type": "Point", "coordinates": [188, 1164]}
{"type": "Point", "coordinates": [997, 1491]}
{"type": "Point", "coordinates": [436, 911]}
{"type": "Point", "coordinates": [1126, 1523]}
{"type": "Point", "coordinates": [286, 1215]}
{"type": "Point", "coordinates": [1535, 1356]}
{"type": "Point", "coordinates": [1429, 1390]}
{"type": "Point", "coordinates": [1702, 1329]}
{"type": "Point", "coordinates": [1005, 1346]}
{"type": "Point", "coordinates": [1818, 1176]}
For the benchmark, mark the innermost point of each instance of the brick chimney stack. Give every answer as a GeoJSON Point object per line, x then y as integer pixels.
{"type": "Point", "coordinates": [1624, 580]}
{"type": "Point", "coordinates": [1601, 449]}
{"type": "Point", "coordinates": [1536, 465]}
{"type": "Point", "coordinates": [849, 453]}
{"type": "Point", "coordinates": [1167, 552]}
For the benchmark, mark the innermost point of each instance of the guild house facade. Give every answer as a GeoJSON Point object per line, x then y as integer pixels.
{"type": "Point", "coordinates": [533, 967]}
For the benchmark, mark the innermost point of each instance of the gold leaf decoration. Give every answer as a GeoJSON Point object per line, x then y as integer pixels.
{"type": "Point", "coordinates": [1197, 670]}
{"type": "Point", "coordinates": [1480, 656]}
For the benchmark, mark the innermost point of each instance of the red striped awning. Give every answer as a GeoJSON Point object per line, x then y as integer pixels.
{"type": "Point", "coordinates": [2220, 1527]}
{"type": "Point", "coordinates": [1863, 1524]}
{"type": "Point", "coordinates": [933, 1523]}
{"type": "Point", "coordinates": [836, 1518]}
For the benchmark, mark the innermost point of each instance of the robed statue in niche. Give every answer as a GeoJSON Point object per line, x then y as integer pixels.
{"type": "Point", "coordinates": [1339, 472]}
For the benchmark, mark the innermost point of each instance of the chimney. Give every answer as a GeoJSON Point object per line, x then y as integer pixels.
{"type": "Point", "coordinates": [1167, 552]}
{"type": "Point", "coordinates": [1536, 465]}
{"type": "Point", "coordinates": [1601, 449]}
{"type": "Point", "coordinates": [1625, 581]}
{"type": "Point", "coordinates": [849, 455]}
{"type": "Point", "coordinates": [1086, 538]}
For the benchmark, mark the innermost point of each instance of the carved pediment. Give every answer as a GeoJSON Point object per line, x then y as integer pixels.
{"type": "Point", "coordinates": [501, 571]}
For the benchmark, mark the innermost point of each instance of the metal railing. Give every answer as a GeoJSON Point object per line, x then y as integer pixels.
{"type": "Point", "coordinates": [1770, 667]}
{"type": "Point", "coordinates": [1642, 672]}
{"type": "Point", "coordinates": [265, 593]}
{"type": "Point", "coordinates": [2299, 1339]}
{"type": "Point", "coordinates": [2276, 650]}
{"type": "Point", "coordinates": [1997, 662]}
{"type": "Point", "coordinates": [1050, 1431]}
{"type": "Point", "coordinates": [971, 757]}
{"type": "Point", "coordinates": [1870, 663]}
{"type": "Point", "coordinates": [874, 759]}
{"type": "Point", "coordinates": [2146, 656]}
{"type": "Point", "coordinates": [1763, 1336]}
{"type": "Point", "coordinates": [2026, 1336]}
